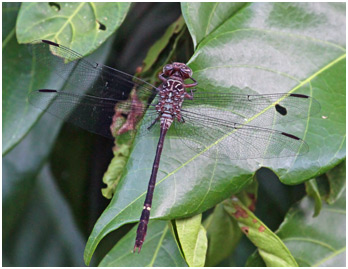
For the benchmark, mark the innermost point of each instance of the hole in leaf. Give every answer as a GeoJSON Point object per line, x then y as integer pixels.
{"type": "Point", "coordinates": [101, 26]}
{"type": "Point", "coordinates": [54, 6]}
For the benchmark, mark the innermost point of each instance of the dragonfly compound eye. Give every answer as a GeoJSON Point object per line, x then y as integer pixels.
{"type": "Point", "coordinates": [186, 71]}
{"type": "Point", "coordinates": [167, 69]}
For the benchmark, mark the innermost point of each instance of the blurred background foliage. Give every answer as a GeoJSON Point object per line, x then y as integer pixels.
{"type": "Point", "coordinates": [52, 172]}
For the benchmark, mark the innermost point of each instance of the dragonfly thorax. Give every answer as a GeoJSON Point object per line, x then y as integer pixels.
{"type": "Point", "coordinates": [170, 101]}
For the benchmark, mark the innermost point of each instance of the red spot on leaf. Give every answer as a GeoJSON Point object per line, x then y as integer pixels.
{"type": "Point", "coordinates": [245, 230]}
{"type": "Point", "coordinates": [254, 220]}
{"type": "Point", "coordinates": [262, 229]}
{"type": "Point", "coordinates": [253, 202]}
{"type": "Point", "coordinates": [240, 212]}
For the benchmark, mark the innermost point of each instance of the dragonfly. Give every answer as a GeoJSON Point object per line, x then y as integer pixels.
{"type": "Point", "coordinates": [216, 124]}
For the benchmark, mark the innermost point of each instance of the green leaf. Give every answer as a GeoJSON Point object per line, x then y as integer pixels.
{"type": "Point", "coordinates": [193, 240]}
{"type": "Point", "coordinates": [21, 76]}
{"type": "Point", "coordinates": [161, 43]}
{"type": "Point", "coordinates": [266, 49]}
{"type": "Point", "coordinates": [159, 249]}
{"type": "Point", "coordinates": [20, 171]}
{"type": "Point", "coordinates": [318, 241]}
{"type": "Point", "coordinates": [313, 191]}
{"type": "Point", "coordinates": [45, 233]}
{"type": "Point", "coordinates": [82, 27]}
{"type": "Point", "coordinates": [337, 181]}
{"type": "Point", "coordinates": [223, 235]}
{"type": "Point", "coordinates": [9, 15]}
{"type": "Point", "coordinates": [203, 18]}
{"type": "Point", "coordinates": [270, 247]}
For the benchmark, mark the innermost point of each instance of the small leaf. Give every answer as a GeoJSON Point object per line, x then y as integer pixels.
{"type": "Point", "coordinates": [270, 247]}
{"type": "Point", "coordinates": [159, 249]}
{"type": "Point", "coordinates": [313, 191]}
{"type": "Point", "coordinates": [223, 235]}
{"type": "Point", "coordinates": [204, 18]}
{"type": "Point", "coordinates": [161, 43]}
{"type": "Point", "coordinates": [193, 240]}
{"type": "Point", "coordinates": [82, 27]}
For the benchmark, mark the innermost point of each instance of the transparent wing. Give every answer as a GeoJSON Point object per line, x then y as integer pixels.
{"type": "Point", "coordinates": [221, 138]}
{"type": "Point", "coordinates": [79, 73]}
{"type": "Point", "coordinates": [260, 110]}
{"type": "Point", "coordinates": [108, 89]}
{"type": "Point", "coordinates": [91, 113]}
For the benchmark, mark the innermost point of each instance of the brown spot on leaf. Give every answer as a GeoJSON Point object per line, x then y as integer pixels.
{"type": "Point", "coordinates": [240, 212]}
{"type": "Point", "coordinates": [254, 220]}
{"type": "Point", "coordinates": [245, 230]}
{"type": "Point", "coordinates": [262, 228]}
{"type": "Point", "coordinates": [252, 206]}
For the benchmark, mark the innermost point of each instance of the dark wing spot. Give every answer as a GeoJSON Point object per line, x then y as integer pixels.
{"type": "Point", "coordinates": [291, 136]}
{"type": "Point", "coordinates": [281, 110]}
{"type": "Point", "coordinates": [47, 90]}
{"type": "Point", "coordinates": [50, 43]}
{"type": "Point", "coordinates": [299, 95]}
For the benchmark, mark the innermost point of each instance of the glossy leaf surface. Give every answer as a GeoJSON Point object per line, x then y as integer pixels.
{"type": "Point", "coordinates": [82, 27]}
{"type": "Point", "coordinates": [203, 18]}
{"type": "Point", "coordinates": [159, 249]}
{"type": "Point", "coordinates": [259, 50]}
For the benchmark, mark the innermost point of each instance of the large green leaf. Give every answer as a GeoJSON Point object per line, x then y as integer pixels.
{"type": "Point", "coordinates": [203, 18]}
{"type": "Point", "coordinates": [161, 249]}
{"type": "Point", "coordinates": [80, 26]}
{"type": "Point", "coordinates": [266, 48]}
{"type": "Point", "coordinates": [22, 75]}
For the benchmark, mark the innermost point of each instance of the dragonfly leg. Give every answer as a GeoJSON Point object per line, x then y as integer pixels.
{"type": "Point", "coordinates": [162, 78]}
{"type": "Point", "coordinates": [195, 83]}
{"type": "Point", "coordinates": [153, 123]}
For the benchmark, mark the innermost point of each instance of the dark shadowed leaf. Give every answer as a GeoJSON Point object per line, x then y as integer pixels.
{"type": "Point", "coordinates": [263, 48]}
{"type": "Point", "coordinates": [159, 249]}
{"type": "Point", "coordinates": [337, 181]}
{"type": "Point", "coordinates": [45, 234]}
{"type": "Point", "coordinates": [82, 27]}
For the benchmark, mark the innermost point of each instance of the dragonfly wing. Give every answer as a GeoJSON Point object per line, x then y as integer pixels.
{"type": "Point", "coordinates": [95, 114]}
{"type": "Point", "coordinates": [80, 73]}
{"type": "Point", "coordinates": [217, 138]}
{"type": "Point", "coordinates": [259, 110]}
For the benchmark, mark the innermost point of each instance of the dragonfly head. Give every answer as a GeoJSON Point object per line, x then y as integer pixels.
{"type": "Point", "coordinates": [178, 69]}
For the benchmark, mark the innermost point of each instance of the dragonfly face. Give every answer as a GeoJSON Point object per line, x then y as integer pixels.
{"type": "Point", "coordinates": [177, 69]}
